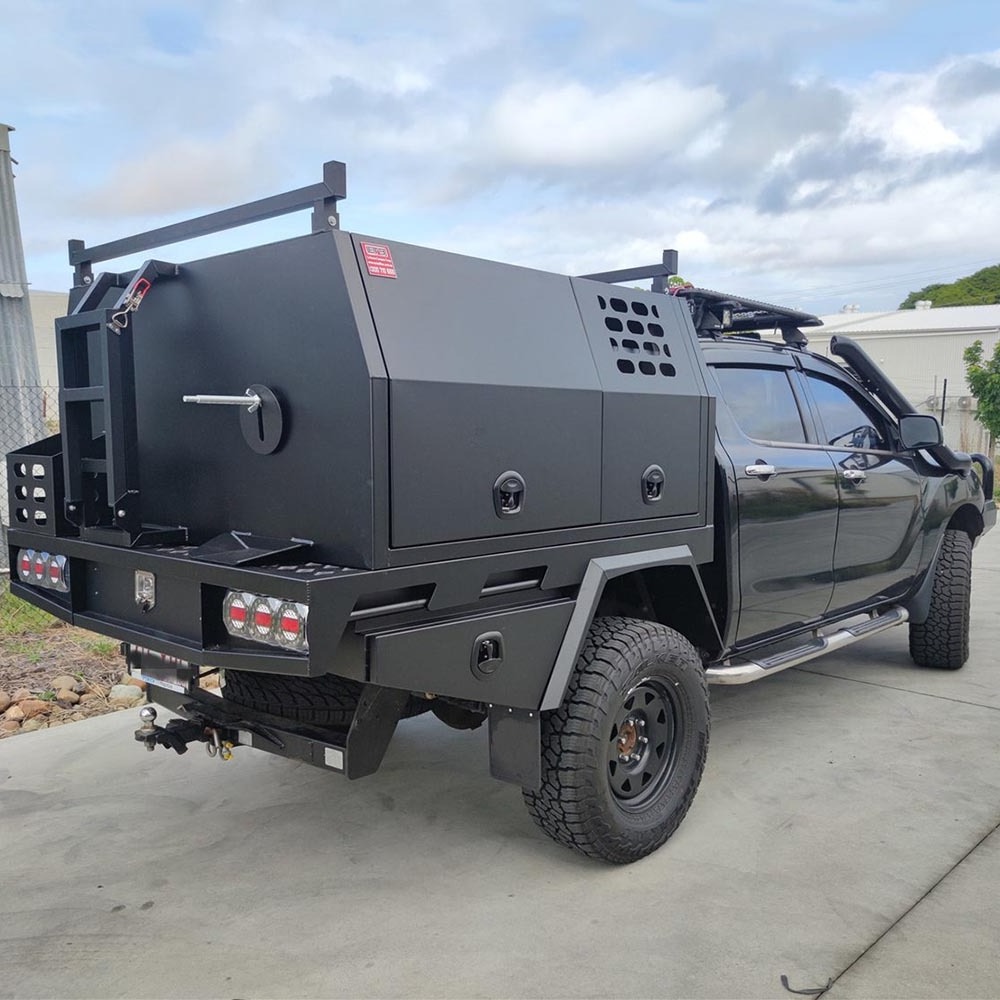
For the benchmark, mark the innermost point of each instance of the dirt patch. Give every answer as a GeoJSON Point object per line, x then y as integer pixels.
{"type": "Point", "coordinates": [52, 673]}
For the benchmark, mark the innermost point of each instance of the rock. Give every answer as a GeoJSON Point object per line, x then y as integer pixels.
{"type": "Point", "coordinates": [20, 694]}
{"type": "Point", "coordinates": [81, 687]}
{"type": "Point", "coordinates": [62, 681]}
{"type": "Point", "coordinates": [67, 696]}
{"type": "Point", "coordinates": [135, 682]}
{"type": "Point", "coordinates": [35, 706]}
{"type": "Point", "coordinates": [9, 725]}
{"type": "Point", "coordinates": [14, 714]}
{"type": "Point", "coordinates": [30, 725]}
{"type": "Point", "coordinates": [5, 700]}
{"type": "Point", "coordinates": [124, 696]}
{"type": "Point", "coordinates": [77, 717]}
{"type": "Point", "coordinates": [86, 699]}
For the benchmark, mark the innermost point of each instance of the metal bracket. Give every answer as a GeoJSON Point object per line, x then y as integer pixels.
{"type": "Point", "coordinates": [664, 270]}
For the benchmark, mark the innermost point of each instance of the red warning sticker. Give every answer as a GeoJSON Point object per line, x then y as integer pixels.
{"type": "Point", "coordinates": [378, 259]}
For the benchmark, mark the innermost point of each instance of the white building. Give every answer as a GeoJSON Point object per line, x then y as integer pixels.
{"type": "Point", "coordinates": [920, 350]}
{"type": "Point", "coordinates": [46, 307]}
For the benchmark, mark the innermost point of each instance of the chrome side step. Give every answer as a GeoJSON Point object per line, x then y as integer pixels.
{"type": "Point", "coordinates": [753, 670]}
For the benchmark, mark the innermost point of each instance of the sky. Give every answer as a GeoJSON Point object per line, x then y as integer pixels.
{"type": "Point", "coordinates": [817, 153]}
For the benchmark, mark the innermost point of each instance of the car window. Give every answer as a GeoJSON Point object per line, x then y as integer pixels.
{"type": "Point", "coordinates": [762, 402]}
{"type": "Point", "coordinates": [846, 422]}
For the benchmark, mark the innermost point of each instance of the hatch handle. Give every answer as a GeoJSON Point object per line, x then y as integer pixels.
{"type": "Point", "coordinates": [250, 400]}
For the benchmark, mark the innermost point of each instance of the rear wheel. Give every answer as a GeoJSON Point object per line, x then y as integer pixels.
{"type": "Point", "coordinates": [623, 756]}
{"type": "Point", "coordinates": [943, 639]}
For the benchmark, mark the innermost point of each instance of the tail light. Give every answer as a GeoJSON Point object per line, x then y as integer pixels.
{"type": "Point", "coordinates": [266, 619]}
{"type": "Point", "coordinates": [291, 625]}
{"type": "Point", "coordinates": [42, 569]}
{"type": "Point", "coordinates": [262, 619]}
{"type": "Point", "coordinates": [236, 612]}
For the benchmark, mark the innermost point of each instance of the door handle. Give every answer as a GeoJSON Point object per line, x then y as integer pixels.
{"type": "Point", "coordinates": [760, 469]}
{"type": "Point", "coordinates": [855, 475]}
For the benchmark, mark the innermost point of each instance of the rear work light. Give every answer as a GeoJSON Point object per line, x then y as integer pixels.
{"type": "Point", "coordinates": [266, 619]}
{"type": "Point", "coordinates": [43, 569]}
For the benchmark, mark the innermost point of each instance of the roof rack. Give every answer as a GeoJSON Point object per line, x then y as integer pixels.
{"type": "Point", "coordinates": [716, 314]}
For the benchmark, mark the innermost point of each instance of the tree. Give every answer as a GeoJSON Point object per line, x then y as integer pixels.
{"type": "Point", "coordinates": [979, 289]}
{"type": "Point", "coordinates": [984, 381]}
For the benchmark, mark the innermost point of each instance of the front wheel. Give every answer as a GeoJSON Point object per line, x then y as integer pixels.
{"type": "Point", "coordinates": [942, 640]}
{"type": "Point", "coordinates": [623, 755]}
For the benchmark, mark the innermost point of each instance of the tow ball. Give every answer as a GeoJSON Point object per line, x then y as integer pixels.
{"type": "Point", "coordinates": [178, 733]}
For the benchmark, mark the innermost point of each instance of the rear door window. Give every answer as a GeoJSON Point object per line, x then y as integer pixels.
{"type": "Point", "coordinates": [762, 403]}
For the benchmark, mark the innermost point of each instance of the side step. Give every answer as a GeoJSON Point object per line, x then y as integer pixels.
{"type": "Point", "coordinates": [754, 670]}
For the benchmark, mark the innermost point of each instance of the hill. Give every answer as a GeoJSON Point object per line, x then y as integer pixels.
{"type": "Point", "coordinates": [979, 289]}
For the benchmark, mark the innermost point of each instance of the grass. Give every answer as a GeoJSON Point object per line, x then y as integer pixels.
{"type": "Point", "coordinates": [29, 649]}
{"type": "Point", "coordinates": [18, 618]}
{"type": "Point", "coordinates": [103, 647]}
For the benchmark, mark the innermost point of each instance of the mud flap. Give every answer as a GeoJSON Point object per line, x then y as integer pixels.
{"type": "Point", "coordinates": [516, 746]}
{"type": "Point", "coordinates": [378, 711]}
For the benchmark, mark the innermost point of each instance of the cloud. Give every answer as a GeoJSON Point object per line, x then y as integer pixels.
{"type": "Point", "coordinates": [967, 80]}
{"type": "Point", "coordinates": [188, 173]}
{"type": "Point", "coordinates": [573, 126]}
{"type": "Point", "coordinates": [538, 131]}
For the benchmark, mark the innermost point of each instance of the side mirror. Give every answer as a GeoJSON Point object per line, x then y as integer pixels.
{"type": "Point", "coordinates": [919, 430]}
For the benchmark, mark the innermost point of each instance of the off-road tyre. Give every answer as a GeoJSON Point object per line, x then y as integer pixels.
{"type": "Point", "coordinates": [942, 641]}
{"type": "Point", "coordinates": [321, 701]}
{"type": "Point", "coordinates": [629, 672]}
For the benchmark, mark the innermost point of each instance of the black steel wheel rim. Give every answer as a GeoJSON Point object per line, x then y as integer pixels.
{"type": "Point", "coordinates": [642, 747]}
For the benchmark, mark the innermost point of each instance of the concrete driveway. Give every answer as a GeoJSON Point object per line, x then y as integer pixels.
{"type": "Point", "coordinates": [846, 829]}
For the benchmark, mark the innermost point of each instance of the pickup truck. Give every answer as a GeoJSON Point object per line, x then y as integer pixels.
{"type": "Point", "coordinates": [363, 480]}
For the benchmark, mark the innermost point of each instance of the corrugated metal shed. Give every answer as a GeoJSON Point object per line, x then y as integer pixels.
{"type": "Point", "coordinates": [22, 401]}
{"type": "Point", "coordinates": [947, 319]}
{"type": "Point", "coordinates": [18, 360]}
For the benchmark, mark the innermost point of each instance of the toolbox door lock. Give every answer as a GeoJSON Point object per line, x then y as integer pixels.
{"type": "Point", "coordinates": [508, 494]}
{"type": "Point", "coordinates": [652, 484]}
{"type": "Point", "coordinates": [487, 654]}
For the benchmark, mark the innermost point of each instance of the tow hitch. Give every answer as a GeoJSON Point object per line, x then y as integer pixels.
{"type": "Point", "coordinates": [222, 726]}
{"type": "Point", "coordinates": [178, 733]}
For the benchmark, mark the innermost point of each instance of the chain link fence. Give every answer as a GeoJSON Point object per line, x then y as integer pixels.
{"type": "Point", "coordinates": [28, 413]}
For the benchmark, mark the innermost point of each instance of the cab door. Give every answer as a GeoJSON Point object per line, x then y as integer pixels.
{"type": "Point", "coordinates": [787, 495]}
{"type": "Point", "coordinates": [878, 538]}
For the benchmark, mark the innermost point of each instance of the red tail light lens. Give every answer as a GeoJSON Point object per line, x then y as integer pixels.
{"type": "Point", "coordinates": [236, 611]}
{"type": "Point", "coordinates": [42, 569]}
{"type": "Point", "coordinates": [266, 619]}
{"type": "Point", "coordinates": [262, 616]}
{"type": "Point", "coordinates": [291, 625]}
